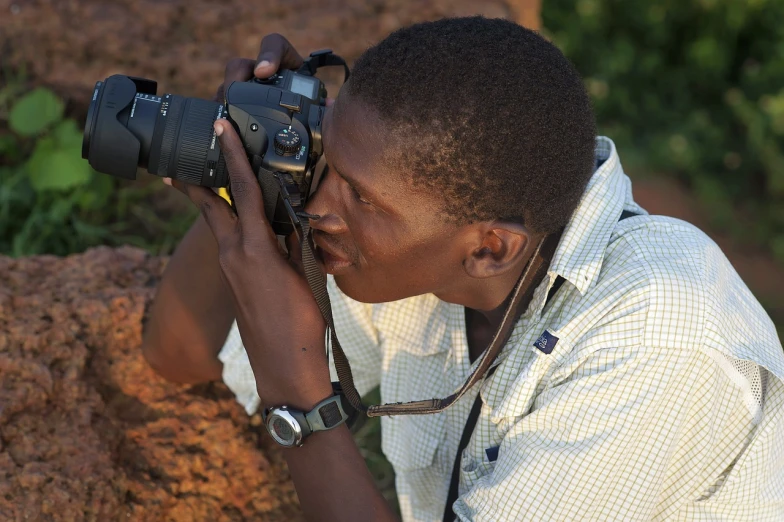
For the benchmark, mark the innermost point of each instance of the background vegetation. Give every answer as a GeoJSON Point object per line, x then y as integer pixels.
{"type": "Point", "coordinates": [52, 202]}
{"type": "Point", "coordinates": [693, 88]}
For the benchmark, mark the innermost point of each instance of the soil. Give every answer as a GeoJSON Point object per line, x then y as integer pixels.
{"type": "Point", "coordinates": [89, 432]}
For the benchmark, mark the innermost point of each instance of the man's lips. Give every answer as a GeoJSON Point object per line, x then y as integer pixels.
{"type": "Point", "coordinates": [334, 259]}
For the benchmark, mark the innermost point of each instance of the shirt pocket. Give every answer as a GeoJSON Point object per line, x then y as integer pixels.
{"type": "Point", "coordinates": [472, 469]}
{"type": "Point", "coordinates": [410, 442]}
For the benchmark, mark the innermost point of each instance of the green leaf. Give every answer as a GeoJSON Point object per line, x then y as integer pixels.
{"type": "Point", "coordinates": [777, 245]}
{"type": "Point", "coordinates": [35, 112]}
{"type": "Point", "coordinates": [96, 194]}
{"type": "Point", "coordinates": [7, 144]}
{"type": "Point", "coordinates": [67, 134]}
{"type": "Point", "coordinates": [54, 168]}
{"type": "Point", "coordinates": [10, 150]}
{"type": "Point", "coordinates": [89, 232]}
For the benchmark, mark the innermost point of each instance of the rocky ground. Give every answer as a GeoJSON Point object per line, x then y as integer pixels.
{"type": "Point", "coordinates": [183, 44]}
{"type": "Point", "coordinates": [89, 432]}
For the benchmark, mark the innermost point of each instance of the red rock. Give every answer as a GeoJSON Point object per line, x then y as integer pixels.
{"type": "Point", "coordinates": [89, 432]}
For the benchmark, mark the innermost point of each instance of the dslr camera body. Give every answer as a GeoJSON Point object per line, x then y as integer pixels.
{"type": "Point", "coordinates": [278, 120]}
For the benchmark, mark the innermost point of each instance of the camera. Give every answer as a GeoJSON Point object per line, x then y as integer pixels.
{"type": "Point", "coordinates": [278, 120]}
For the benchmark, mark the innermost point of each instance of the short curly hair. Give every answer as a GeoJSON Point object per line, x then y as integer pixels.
{"type": "Point", "coordinates": [487, 113]}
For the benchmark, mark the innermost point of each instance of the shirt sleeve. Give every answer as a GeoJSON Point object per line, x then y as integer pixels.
{"type": "Point", "coordinates": [626, 434]}
{"type": "Point", "coordinates": [357, 336]}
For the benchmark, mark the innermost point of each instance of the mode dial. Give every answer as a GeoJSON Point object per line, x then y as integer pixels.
{"type": "Point", "coordinates": [287, 142]}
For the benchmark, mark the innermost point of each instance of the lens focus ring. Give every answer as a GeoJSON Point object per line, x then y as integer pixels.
{"type": "Point", "coordinates": [195, 136]}
{"type": "Point", "coordinates": [170, 134]}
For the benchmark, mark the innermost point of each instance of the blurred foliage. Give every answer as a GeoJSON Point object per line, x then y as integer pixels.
{"type": "Point", "coordinates": [694, 88]}
{"type": "Point", "coordinates": [52, 202]}
{"type": "Point", "coordinates": [368, 438]}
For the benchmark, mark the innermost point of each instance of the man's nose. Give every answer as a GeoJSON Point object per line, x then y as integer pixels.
{"type": "Point", "coordinates": [324, 203]}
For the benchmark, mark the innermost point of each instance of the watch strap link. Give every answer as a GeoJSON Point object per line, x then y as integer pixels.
{"type": "Point", "coordinates": [327, 414]}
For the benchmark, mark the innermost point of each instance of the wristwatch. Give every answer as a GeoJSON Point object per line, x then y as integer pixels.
{"type": "Point", "coordinates": [290, 427]}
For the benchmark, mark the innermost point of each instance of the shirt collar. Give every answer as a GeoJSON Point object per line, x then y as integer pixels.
{"type": "Point", "coordinates": [580, 253]}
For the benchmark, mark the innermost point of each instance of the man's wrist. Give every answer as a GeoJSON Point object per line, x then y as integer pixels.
{"type": "Point", "coordinates": [291, 426]}
{"type": "Point", "coordinates": [296, 376]}
{"type": "Point", "coordinates": [303, 398]}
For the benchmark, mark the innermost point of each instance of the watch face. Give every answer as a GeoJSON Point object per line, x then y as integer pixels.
{"type": "Point", "coordinates": [284, 428]}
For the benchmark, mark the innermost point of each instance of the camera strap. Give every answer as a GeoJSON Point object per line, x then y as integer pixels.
{"type": "Point", "coordinates": [323, 58]}
{"type": "Point", "coordinates": [318, 284]}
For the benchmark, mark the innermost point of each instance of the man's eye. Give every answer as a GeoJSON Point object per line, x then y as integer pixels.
{"type": "Point", "coordinates": [359, 197]}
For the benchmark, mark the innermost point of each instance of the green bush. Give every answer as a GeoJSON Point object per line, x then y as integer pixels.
{"type": "Point", "coordinates": [52, 202]}
{"type": "Point", "coordinates": [694, 88]}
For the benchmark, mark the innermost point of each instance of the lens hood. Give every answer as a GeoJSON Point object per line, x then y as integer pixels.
{"type": "Point", "coordinates": [109, 146]}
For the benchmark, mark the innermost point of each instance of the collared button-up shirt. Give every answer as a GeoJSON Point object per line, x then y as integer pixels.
{"type": "Point", "coordinates": [648, 388]}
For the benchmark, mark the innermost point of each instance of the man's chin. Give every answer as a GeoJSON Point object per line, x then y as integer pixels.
{"type": "Point", "coordinates": [347, 285]}
{"type": "Point", "coordinates": [358, 289]}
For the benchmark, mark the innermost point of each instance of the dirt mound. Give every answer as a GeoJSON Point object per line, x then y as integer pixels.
{"type": "Point", "coordinates": [184, 44]}
{"type": "Point", "coordinates": [89, 432]}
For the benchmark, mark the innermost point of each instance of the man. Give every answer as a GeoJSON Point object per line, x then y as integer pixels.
{"type": "Point", "coordinates": [641, 380]}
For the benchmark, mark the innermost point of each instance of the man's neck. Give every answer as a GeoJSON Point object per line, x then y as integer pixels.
{"type": "Point", "coordinates": [481, 325]}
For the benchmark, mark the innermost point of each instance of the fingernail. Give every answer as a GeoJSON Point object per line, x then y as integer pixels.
{"type": "Point", "coordinates": [167, 181]}
{"type": "Point", "coordinates": [263, 63]}
{"type": "Point", "coordinates": [218, 128]}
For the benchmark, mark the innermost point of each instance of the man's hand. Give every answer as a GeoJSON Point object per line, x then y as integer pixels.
{"type": "Point", "coordinates": [279, 321]}
{"type": "Point", "coordinates": [276, 53]}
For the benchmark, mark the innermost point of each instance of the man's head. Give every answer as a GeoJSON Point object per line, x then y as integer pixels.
{"type": "Point", "coordinates": [466, 139]}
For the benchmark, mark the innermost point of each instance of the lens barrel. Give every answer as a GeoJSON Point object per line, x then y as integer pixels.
{"type": "Point", "coordinates": [171, 136]}
{"type": "Point", "coordinates": [184, 145]}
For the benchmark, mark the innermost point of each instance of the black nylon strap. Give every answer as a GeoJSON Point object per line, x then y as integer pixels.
{"type": "Point", "coordinates": [473, 417]}
{"type": "Point", "coordinates": [454, 482]}
{"type": "Point", "coordinates": [470, 424]}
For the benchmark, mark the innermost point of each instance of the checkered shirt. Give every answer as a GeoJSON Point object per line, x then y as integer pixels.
{"type": "Point", "coordinates": [661, 397]}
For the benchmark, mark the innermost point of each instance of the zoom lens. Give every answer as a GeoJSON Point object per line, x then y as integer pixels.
{"type": "Point", "coordinates": [128, 126]}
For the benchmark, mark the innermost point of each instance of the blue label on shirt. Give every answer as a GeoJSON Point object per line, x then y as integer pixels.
{"type": "Point", "coordinates": [492, 454]}
{"type": "Point", "coordinates": [546, 342]}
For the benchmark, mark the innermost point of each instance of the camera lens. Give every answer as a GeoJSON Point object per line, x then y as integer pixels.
{"type": "Point", "coordinates": [128, 126]}
{"type": "Point", "coordinates": [88, 124]}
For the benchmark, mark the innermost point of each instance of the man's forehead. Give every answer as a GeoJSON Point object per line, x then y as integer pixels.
{"type": "Point", "coordinates": [352, 120]}
{"type": "Point", "coordinates": [364, 152]}
{"type": "Point", "coordinates": [353, 138]}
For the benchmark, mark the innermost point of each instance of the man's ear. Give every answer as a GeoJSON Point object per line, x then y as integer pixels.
{"type": "Point", "coordinates": [498, 247]}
